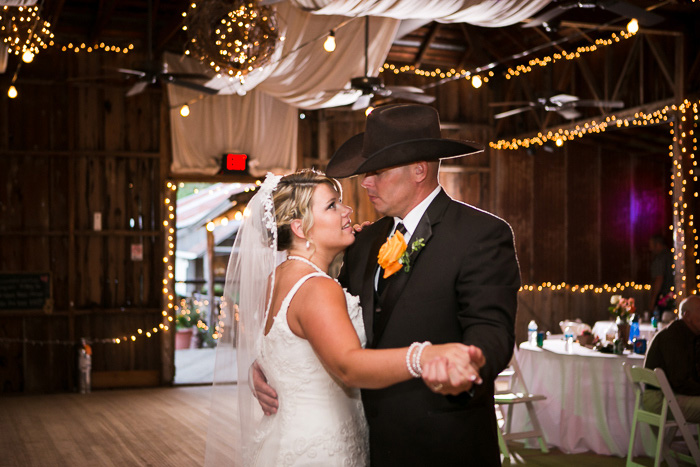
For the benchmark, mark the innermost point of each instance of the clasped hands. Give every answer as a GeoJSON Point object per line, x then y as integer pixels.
{"type": "Point", "coordinates": [451, 369]}
{"type": "Point", "coordinates": [448, 369]}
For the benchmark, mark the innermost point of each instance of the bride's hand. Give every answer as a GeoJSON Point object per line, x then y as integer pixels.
{"type": "Point", "coordinates": [452, 368]}
{"type": "Point", "coordinates": [358, 227]}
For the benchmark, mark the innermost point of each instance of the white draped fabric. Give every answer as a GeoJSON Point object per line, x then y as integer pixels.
{"type": "Point", "coordinates": [590, 402]}
{"type": "Point", "coordinates": [489, 13]}
{"type": "Point", "coordinates": [259, 115]}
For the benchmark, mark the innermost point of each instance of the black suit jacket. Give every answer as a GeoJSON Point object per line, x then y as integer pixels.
{"type": "Point", "coordinates": [462, 287]}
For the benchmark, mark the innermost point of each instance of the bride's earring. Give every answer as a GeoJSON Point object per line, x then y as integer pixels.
{"type": "Point", "coordinates": [308, 245]}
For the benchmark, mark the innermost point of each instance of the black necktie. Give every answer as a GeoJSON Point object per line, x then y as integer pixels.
{"type": "Point", "coordinates": [381, 282]}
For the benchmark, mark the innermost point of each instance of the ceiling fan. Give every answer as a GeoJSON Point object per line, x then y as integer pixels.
{"type": "Point", "coordinates": [564, 104]}
{"type": "Point", "coordinates": [620, 7]}
{"type": "Point", "coordinates": [153, 72]}
{"type": "Point", "coordinates": [371, 86]}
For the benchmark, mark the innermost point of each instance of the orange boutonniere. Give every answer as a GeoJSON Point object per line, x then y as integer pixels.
{"type": "Point", "coordinates": [390, 253]}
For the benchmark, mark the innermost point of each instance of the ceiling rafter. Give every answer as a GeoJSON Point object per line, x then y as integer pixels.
{"type": "Point", "coordinates": [660, 60]}
{"type": "Point", "coordinates": [427, 42]}
{"type": "Point", "coordinates": [631, 57]}
{"type": "Point", "coordinates": [105, 11]}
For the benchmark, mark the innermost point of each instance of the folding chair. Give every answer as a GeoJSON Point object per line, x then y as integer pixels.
{"type": "Point", "coordinates": [517, 393]}
{"type": "Point", "coordinates": [667, 423]}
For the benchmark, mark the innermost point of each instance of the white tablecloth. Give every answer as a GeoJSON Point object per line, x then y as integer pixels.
{"type": "Point", "coordinates": [590, 402]}
{"type": "Point", "coordinates": [646, 330]}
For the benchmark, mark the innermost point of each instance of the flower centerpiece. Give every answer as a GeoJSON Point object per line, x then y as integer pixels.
{"type": "Point", "coordinates": [667, 302]}
{"type": "Point", "coordinates": [621, 307]}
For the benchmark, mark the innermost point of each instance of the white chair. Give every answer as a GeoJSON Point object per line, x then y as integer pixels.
{"type": "Point", "coordinates": [514, 393]}
{"type": "Point", "coordinates": [667, 423]}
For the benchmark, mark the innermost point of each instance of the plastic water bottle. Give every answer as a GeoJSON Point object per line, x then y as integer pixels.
{"type": "Point", "coordinates": [655, 320]}
{"type": "Point", "coordinates": [532, 333]}
{"type": "Point", "coordinates": [569, 337]}
{"type": "Point", "coordinates": [634, 328]}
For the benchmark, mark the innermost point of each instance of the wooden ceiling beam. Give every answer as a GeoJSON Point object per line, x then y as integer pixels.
{"type": "Point", "coordinates": [661, 60]}
{"type": "Point", "coordinates": [590, 80]}
{"type": "Point", "coordinates": [631, 57]}
{"type": "Point", "coordinates": [105, 11]}
{"type": "Point", "coordinates": [425, 46]}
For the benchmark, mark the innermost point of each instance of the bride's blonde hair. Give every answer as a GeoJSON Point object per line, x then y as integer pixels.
{"type": "Point", "coordinates": [292, 199]}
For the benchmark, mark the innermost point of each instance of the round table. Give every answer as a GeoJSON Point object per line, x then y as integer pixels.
{"type": "Point", "coordinates": [590, 402]}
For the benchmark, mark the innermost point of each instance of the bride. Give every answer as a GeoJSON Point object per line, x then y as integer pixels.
{"type": "Point", "coordinates": [305, 331]}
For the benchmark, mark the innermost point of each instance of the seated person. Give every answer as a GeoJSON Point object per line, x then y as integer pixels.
{"type": "Point", "coordinates": [676, 350]}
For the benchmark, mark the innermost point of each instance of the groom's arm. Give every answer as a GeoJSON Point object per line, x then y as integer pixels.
{"type": "Point", "coordinates": [266, 395]}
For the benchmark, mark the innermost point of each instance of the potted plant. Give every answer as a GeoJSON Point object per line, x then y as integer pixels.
{"type": "Point", "coordinates": [184, 325]}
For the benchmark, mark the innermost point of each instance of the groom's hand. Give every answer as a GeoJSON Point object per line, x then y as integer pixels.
{"type": "Point", "coordinates": [267, 397]}
{"type": "Point", "coordinates": [448, 375]}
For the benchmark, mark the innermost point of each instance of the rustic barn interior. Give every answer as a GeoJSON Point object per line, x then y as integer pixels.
{"type": "Point", "coordinates": [92, 152]}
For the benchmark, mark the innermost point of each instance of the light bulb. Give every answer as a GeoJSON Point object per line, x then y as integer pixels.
{"type": "Point", "coordinates": [27, 56]}
{"type": "Point", "coordinates": [368, 110]}
{"type": "Point", "coordinates": [559, 142]}
{"type": "Point", "coordinates": [185, 110]}
{"type": "Point", "coordinates": [329, 45]}
{"type": "Point", "coordinates": [12, 92]}
{"type": "Point", "coordinates": [210, 226]}
{"type": "Point", "coordinates": [476, 81]}
{"type": "Point", "coordinates": [633, 26]}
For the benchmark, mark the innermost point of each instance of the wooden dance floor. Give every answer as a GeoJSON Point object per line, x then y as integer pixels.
{"type": "Point", "coordinates": [152, 427]}
{"type": "Point", "coordinates": [155, 427]}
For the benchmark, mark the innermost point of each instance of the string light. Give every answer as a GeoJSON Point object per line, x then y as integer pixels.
{"type": "Point", "coordinates": [329, 44]}
{"type": "Point", "coordinates": [477, 81]}
{"type": "Point", "coordinates": [511, 72]}
{"type": "Point", "coordinates": [570, 133]}
{"type": "Point", "coordinates": [563, 55]}
{"type": "Point", "coordinates": [185, 110]}
{"type": "Point", "coordinates": [598, 289]}
{"type": "Point", "coordinates": [12, 92]}
{"type": "Point", "coordinates": [168, 284]}
{"type": "Point", "coordinates": [24, 32]}
{"type": "Point", "coordinates": [101, 47]}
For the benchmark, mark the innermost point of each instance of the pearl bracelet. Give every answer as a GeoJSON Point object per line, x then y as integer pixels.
{"type": "Point", "coordinates": [409, 363]}
{"type": "Point", "coordinates": [416, 358]}
{"type": "Point", "coordinates": [413, 358]}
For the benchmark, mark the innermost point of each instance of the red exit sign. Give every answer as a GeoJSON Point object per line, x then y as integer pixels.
{"type": "Point", "coordinates": [234, 163]}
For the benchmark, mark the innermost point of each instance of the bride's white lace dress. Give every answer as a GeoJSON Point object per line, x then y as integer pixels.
{"type": "Point", "coordinates": [320, 421]}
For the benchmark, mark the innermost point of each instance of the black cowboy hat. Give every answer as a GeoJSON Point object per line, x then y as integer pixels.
{"type": "Point", "coordinates": [396, 134]}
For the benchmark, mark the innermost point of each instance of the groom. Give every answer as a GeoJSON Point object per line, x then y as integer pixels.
{"type": "Point", "coordinates": [461, 286]}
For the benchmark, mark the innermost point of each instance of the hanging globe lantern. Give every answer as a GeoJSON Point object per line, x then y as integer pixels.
{"type": "Point", "coordinates": [233, 37]}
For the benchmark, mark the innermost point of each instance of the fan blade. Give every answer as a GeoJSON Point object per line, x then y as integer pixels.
{"type": "Point", "coordinates": [137, 88]}
{"type": "Point", "coordinates": [554, 12]}
{"type": "Point", "coordinates": [198, 76]}
{"type": "Point", "coordinates": [128, 71]}
{"type": "Point", "coordinates": [509, 104]}
{"type": "Point", "coordinates": [411, 96]}
{"type": "Point", "coordinates": [362, 102]}
{"type": "Point", "coordinates": [412, 89]}
{"type": "Point", "coordinates": [563, 99]}
{"type": "Point", "coordinates": [186, 84]}
{"type": "Point", "coordinates": [605, 104]}
{"type": "Point", "coordinates": [508, 113]}
{"type": "Point", "coordinates": [569, 114]}
{"type": "Point", "coordinates": [645, 18]}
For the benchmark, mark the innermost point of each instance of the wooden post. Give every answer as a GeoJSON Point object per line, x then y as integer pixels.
{"type": "Point", "coordinates": [209, 273]}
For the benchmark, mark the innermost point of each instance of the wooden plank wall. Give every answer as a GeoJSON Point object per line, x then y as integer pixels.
{"type": "Point", "coordinates": [69, 149]}
{"type": "Point", "coordinates": [587, 214]}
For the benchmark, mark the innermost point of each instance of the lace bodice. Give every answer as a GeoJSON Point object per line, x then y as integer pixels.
{"type": "Point", "coordinates": [320, 421]}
